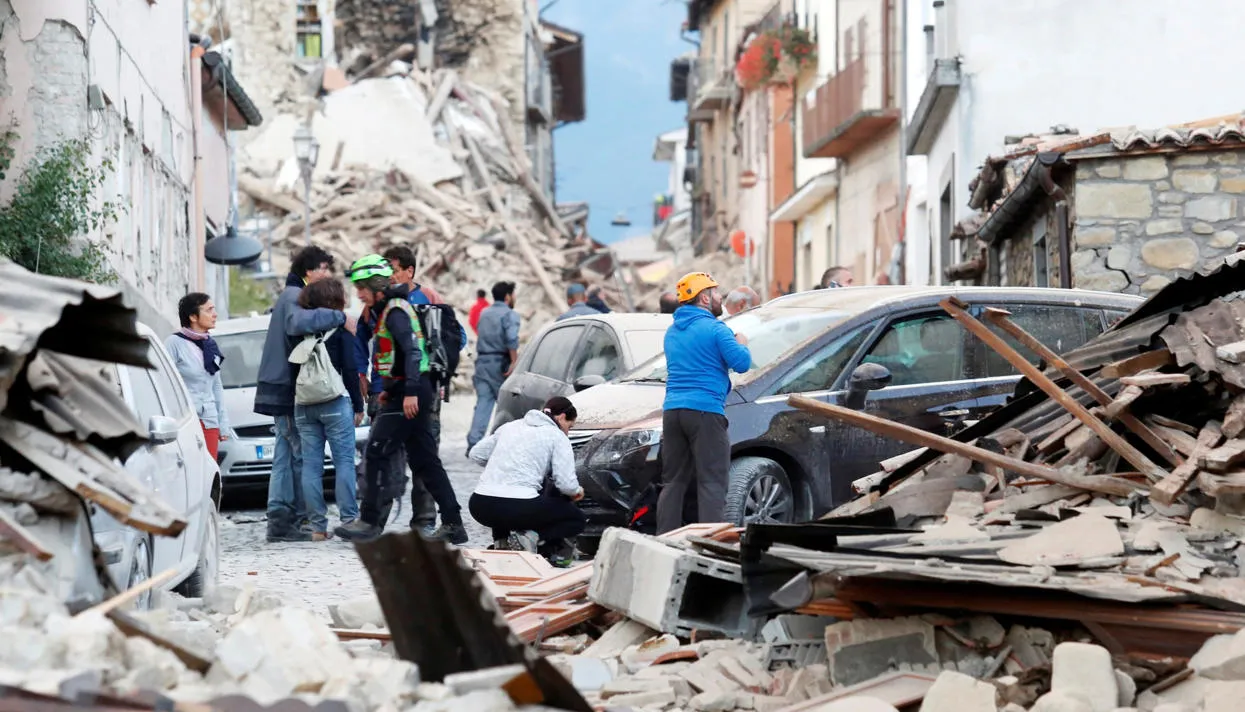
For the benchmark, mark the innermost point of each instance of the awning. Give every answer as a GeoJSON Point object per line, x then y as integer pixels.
{"type": "Point", "coordinates": [807, 198]}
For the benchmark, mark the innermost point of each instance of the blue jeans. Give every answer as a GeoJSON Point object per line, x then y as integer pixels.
{"type": "Point", "coordinates": [487, 386]}
{"type": "Point", "coordinates": [286, 507]}
{"type": "Point", "coordinates": [332, 422]}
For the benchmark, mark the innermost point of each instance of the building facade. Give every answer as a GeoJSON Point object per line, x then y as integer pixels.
{"type": "Point", "coordinates": [118, 74]}
{"type": "Point", "coordinates": [1128, 211]}
{"type": "Point", "coordinates": [983, 84]}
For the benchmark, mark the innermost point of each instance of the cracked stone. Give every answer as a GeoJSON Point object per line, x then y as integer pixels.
{"type": "Point", "coordinates": [1224, 239]}
{"type": "Point", "coordinates": [1109, 281]}
{"type": "Point", "coordinates": [1119, 256]}
{"type": "Point", "coordinates": [1195, 181]}
{"type": "Point", "coordinates": [1202, 228]}
{"type": "Point", "coordinates": [1155, 283]}
{"type": "Point", "coordinates": [1214, 208]}
{"type": "Point", "coordinates": [1114, 200]}
{"type": "Point", "coordinates": [1165, 226]}
{"type": "Point", "coordinates": [1145, 168]}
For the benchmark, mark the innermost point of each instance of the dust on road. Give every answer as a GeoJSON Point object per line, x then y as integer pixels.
{"type": "Point", "coordinates": [317, 574]}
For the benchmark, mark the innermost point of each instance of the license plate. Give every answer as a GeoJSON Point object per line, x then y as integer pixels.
{"type": "Point", "coordinates": [263, 452]}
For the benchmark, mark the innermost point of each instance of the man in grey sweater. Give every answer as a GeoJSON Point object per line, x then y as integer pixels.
{"type": "Point", "coordinates": [274, 392]}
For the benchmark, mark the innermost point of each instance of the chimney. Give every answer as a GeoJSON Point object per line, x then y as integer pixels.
{"type": "Point", "coordinates": [940, 30]}
{"type": "Point", "coordinates": [951, 43]}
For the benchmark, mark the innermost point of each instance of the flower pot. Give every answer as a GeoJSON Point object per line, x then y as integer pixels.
{"type": "Point", "coordinates": [786, 71]}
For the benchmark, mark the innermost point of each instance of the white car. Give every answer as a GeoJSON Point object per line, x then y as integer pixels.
{"type": "Point", "coordinates": [176, 465]}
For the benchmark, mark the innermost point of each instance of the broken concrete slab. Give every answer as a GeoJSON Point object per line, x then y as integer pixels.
{"type": "Point", "coordinates": [1063, 701]}
{"type": "Point", "coordinates": [861, 650]}
{"type": "Point", "coordinates": [1072, 541]}
{"type": "Point", "coordinates": [637, 657]}
{"type": "Point", "coordinates": [1222, 657]}
{"type": "Point", "coordinates": [957, 692]}
{"type": "Point", "coordinates": [1086, 670]}
{"type": "Point", "coordinates": [1223, 696]}
{"type": "Point", "coordinates": [618, 638]}
{"type": "Point", "coordinates": [669, 589]}
{"type": "Point", "coordinates": [358, 613]}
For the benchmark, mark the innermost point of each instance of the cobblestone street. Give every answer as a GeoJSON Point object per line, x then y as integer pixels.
{"type": "Point", "coordinates": [329, 572]}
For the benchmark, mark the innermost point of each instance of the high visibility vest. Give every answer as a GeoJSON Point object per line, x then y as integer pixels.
{"type": "Point", "coordinates": [383, 352]}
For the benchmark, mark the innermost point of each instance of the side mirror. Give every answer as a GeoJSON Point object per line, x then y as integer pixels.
{"type": "Point", "coordinates": [867, 377]}
{"type": "Point", "coordinates": [162, 429]}
{"type": "Point", "coordinates": [583, 383]}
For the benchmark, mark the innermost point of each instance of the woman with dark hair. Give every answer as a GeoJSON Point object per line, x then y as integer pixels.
{"type": "Point", "coordinates": [509, 498]}
{"type": "Point", "coordinates": [332, 421]}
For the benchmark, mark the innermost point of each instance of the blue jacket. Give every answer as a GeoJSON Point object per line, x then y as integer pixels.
{"type": "Point", "coordinates": [700, 351]}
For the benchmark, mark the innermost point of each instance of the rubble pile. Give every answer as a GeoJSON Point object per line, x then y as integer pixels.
{"type": "Point", "coordinates": [428, 161]}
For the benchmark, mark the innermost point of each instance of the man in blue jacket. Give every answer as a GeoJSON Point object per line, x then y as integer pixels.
{"type": "Point", "coordinates": [695, 447]}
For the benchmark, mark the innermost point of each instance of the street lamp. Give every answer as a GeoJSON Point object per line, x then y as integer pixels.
{"type": "Point", "coordinates": [621, 219]}
{"type": "Point", "coordinates": [306, 149]}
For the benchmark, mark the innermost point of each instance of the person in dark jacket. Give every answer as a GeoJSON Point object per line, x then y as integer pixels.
{"type": "Point", "coordinates": [274, 392]}
{"type": "Point", "coordinates": [333, 421]}
{"type": "Point", "coordinates": [596, 302]}
{"type": "Point", "coordinates": [695, 446]}
{"type": "Point", "coordinates": [400, 359]}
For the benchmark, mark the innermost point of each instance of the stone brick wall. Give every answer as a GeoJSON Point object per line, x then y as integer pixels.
{"type": "Point", "coordinates": [1142, 221]}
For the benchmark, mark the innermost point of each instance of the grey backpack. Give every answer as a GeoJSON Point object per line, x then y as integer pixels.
{"type": "Point", "coordinates": [318, 382]}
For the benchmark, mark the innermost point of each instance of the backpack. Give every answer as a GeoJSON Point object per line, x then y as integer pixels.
{"type": "Point", "coordinates": [442, 338]}
{"type": "Point", "coordinates": [318, 381]}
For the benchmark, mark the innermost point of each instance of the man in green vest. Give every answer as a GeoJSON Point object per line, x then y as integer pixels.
{"type": "Point", "coordinates": [400, 359]}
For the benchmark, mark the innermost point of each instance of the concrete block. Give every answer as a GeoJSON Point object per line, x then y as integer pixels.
{"type": "Point", "coordinates": [357, 613]}
{"type": "Point", "coordinates": [1127, 688]}
{"type": "Point", "coordinates": [1062, 702]}
{"type": "Point", "coordinates": [669, 589]}
{"type": "Point", "coordinates": [149, 666]}
{"type": "Point", "coordinates": [749, 676]}
{"type": "Point", "coordinates": [1221, 658]}
{"type": "Point", "coordinates": [589, 674]}
{"type": "Point", "coordinates": [706, 675]}
{"type": "Point", "coordinates": [460, 683]}
{"type": "Point", "coordinates": [1085, 669]}
{"type": "Point", "coordinates": [956, 692]}
{"type": "Point", "coordinates": [787, 628]}
{"type": "Point", "coordinates": [796, 654]}
{"type": "Point", "coordinates": [715, 701]}
{"type": "Point", "coordinates": [275, 654]}
{"type": "Point", "coordinates": [1223, 696]}
{"type": "Point", "coordinates": [863, 649]}
{"type": "Point", "coordinates": [640, 699]}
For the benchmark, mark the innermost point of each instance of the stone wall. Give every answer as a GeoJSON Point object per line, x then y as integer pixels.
{"type": "Point", "coordinates": [1142, 221]}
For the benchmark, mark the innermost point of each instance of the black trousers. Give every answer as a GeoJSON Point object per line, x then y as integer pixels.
{"type": "Point", "coordinates": [423, 506]}
{"type": "Point", "coordinates": [554, 517]}
{"type": "Point", "coordinates": [695, 449]}
{"type": "Point", "coordinates": [391, 432]}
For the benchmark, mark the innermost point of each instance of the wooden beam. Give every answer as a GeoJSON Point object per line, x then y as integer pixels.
{"type": "Point", "coordinates": [131, 594]}
{"type": "Point", "coordinates": [1150, 380]}
{"type": "Point", "coordinates": [913, 436]}
{"type": "Point", "coordinates": [1221, 458]}
{"type": "Point", "coordinates": [22, 537]}
{"type": "Point", "coordinates": [442, 95]}
{"type": "Point", "coordinates": [1169, 488]}
{"type": "Point", "coordinates": [999, 318]}
{"type": "Point", "coordinates": [1148, 361]}
{"type": "Point", "coordinates": [959, 311]}
{"type": "Point", "coordinates": [401, 51]}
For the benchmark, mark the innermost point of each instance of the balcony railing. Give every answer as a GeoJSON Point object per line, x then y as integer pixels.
{"type": "Point", "coordinates": [712, 86]}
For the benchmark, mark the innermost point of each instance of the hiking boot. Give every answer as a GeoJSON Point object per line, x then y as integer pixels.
{"type": "Point", "coordinates": [453, 533]}
{"type": "Point", "coordinates": [524, 541]}
{"type": "Point", "coordinates": [358, 530]}
{"type": "Point", "coordinates": [561, 555]}
{"type": "Point", "coordinates": [291, 535]}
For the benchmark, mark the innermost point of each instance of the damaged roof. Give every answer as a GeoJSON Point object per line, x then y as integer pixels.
{"type": "Point", "coordinates": [217, 74]}
{"type": "Point", "coordinates": [1003, 189]}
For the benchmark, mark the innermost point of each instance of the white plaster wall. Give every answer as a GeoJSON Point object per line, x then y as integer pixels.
{"type": "Point", "coordinates": [1088, 64]}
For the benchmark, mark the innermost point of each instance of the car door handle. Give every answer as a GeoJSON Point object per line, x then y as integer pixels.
{"type": "Point", "coordinates": [953, 413]}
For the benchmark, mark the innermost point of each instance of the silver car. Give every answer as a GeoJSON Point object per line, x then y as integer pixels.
{"type": "Point", "coordinates": [174, 464]}
{"type": "Point", "coordinates": [246, 456]}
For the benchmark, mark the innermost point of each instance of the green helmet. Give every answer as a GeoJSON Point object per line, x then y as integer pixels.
{"type": "Point", "coordinates": [370, 266]}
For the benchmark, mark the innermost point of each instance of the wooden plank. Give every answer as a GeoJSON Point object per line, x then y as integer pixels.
{"type": "Point", "coordinates": [22, 537]}
{"type": "Point", "coordinates": [441, 96]}
{"type": "Point", "coordinates": [1180, 440]}
{"type": "Point", "coordinates": [1148, 361]}
{"type": "Point", "coordinates": [1169, 488]}
{"type": "Point", "coordinates": [913, 436]}
{"type": "Point", "coordinates": [559, 582]}
{"type": "Point", "coordinates": [706, 530]}
{"type": "Point", "coordinates": [999, 318]}
{"type": "Point", "coordinates": [353, 634]}
{"type": "Point", "coordinates": [1222, 458]}
{"type": "Point", "coordinates": [1151, 380]}
{"type": "Point", "coordinates": [959, 311]}
{"type": "Point", "coordinates": [1234, 420]}
{"type": "Point", "coordinates": [897, 689]}
{"type": "Point", "coordinates": [1055, 439]}
{"type": "Point", "coordinates": [898, 461]}
{"type": "Point", "coordinates": [1123, 401]}
{"type": "Point", "coordinates": [131, 594]}
{"type": "Point", "coordinates": [1229, 483]}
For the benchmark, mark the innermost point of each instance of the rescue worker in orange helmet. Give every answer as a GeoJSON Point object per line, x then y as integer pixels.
{"type": "Point", "coordinates": [695, 447]}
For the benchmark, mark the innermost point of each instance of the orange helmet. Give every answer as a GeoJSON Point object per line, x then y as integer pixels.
{"type": "Point", "coordinates": [692, 284]}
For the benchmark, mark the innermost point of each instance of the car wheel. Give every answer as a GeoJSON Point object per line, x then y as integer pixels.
{"type": "Point", "coordinates": [207, 571]}
{"type": "Point", "coordinates": [140, 571]}
{"type": "Point", "coordinates": [759, 491]}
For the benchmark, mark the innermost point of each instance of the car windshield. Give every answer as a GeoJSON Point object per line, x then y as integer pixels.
{"type": "Point", "coordinates": [771, 333]}
{"type": "Point", "coordinates": [242, 353]}
{"type": "Point", "coordinates": [645, 344]}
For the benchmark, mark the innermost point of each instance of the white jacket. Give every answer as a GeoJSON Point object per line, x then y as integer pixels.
{"type": "Point", "coordinates": [520, 453]}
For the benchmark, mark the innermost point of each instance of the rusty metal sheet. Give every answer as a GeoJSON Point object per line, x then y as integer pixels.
{"type": "Point", "coordinates": [76, 318]}
{"type": "Point", "coordinates": [443, 619]}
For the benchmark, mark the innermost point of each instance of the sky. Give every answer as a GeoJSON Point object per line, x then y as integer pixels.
{"type": "Point", "coordinates": [607, 160]}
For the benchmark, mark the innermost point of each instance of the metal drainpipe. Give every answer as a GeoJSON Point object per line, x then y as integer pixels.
{"type": "Point", "coordinates": [196, 123]}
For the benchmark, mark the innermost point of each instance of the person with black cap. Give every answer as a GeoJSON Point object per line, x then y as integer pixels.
{"type": "Point", "coordinates": [577, 300]}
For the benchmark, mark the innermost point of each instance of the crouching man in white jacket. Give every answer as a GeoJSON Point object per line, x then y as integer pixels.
{"type": "Point", "coordinates": [509, 498]}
